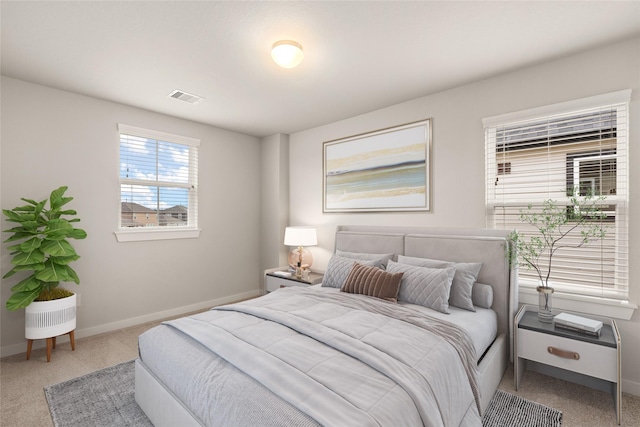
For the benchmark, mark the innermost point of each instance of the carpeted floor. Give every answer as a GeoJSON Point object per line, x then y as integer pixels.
{"type": "Point", "coordinates": [106, 398]}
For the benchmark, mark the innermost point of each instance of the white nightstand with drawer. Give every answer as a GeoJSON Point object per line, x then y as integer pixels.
{"type": "Point", "coordinates": [273, 281]}
{"type": "Point", "coordinates": [587, 360]}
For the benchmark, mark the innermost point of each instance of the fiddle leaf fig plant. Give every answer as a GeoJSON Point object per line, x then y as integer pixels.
{"type": "Point", "coordinates": [41, 246]}
{"type": "Point", "coordinates": [581, 219]}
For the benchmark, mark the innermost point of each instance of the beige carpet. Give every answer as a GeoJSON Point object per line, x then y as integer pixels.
{"type": "Point", "coordinates": [23, 402]}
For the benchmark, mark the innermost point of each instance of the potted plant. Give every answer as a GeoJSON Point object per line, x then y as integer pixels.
{"type": "Point", "coordinates": [39, 244]}
{"type": "Point", "coordinates": [581, 218]}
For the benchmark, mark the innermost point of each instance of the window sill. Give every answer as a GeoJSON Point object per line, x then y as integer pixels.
{"type": "Point", "coordinates": [622, 310]}
{"type": "Point", "coordinates": [143, 235]}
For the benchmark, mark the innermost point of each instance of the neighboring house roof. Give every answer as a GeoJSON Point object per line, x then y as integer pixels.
{"type": "Point", "coordinates": [134, 207]}
{"type": "Point", "coordinates": [176, 209]}
{"type": "Point", "coordinates": [138, 208]}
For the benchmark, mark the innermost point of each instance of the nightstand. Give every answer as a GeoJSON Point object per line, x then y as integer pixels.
{"type": "Point", "coordinates": [273, 281]}
{"type": "Point", "coordinates": [590, 361]}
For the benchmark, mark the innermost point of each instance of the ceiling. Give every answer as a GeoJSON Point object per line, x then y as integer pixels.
{"type": "Point", "coordinates": [359, 56]}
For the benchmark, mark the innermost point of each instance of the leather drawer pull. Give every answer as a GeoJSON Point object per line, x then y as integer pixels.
{"type": "Point", "coordinates": [563, 353]}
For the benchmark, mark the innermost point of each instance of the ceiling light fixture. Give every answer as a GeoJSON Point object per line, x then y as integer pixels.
{"type": "Point", "coordinates": [287, 53]}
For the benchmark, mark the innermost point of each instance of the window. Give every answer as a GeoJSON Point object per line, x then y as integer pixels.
{"type": "Point", "coordinates": [158, 185]}
{"type": "Point", "coordinates": [548, 152]}
{"type": "Point", "coordinates": [504, 168]}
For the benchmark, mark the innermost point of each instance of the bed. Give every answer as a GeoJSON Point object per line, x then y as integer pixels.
{"type": "Point", "coordinates": [318, 356]}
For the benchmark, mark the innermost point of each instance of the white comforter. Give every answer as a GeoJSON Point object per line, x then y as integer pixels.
{"type": "Point", "coordinates": [346, 359]}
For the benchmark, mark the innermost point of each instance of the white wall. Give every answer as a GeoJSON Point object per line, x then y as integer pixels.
{"type": "Point", "coordinates": [274, 200]}
{"type": "Point", "coordinates": [52, 138]}
{"type": "Point", "coordinates": [458, 154]}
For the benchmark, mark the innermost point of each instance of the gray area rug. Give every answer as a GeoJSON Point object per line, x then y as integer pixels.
{"type": "Point", "coordinates": [102, 398]}
{"type": "Point", "coordinates": [105, 398]}
{"type": "Point", "coordinates": [507, 410]}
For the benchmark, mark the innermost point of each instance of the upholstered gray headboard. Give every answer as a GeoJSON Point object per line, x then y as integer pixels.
{"type": "Point", "coordinates": [451, 244]}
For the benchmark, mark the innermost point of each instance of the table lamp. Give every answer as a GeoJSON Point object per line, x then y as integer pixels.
{"type": "Point", "coordinates": [300, 258]}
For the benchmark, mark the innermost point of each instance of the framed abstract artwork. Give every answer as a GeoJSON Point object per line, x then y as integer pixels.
{"type": "Point", "coordinates": [379, 171]}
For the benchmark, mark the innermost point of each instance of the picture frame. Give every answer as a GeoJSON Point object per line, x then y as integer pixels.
{"type": "Point", "coordinates": [385, 170]}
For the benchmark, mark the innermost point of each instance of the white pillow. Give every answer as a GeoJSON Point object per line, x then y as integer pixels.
{"type": "Point", "coordinates": [482, 295]}
{"type": "Point", "coordinates": [383, 258]}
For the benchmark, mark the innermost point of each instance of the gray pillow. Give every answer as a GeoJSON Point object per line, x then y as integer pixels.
{"type": "Point", "coordinates": [424, 286]}
{"type": "Point", "coordinates": [465, 277]}
{"type": "Point", "coordinates": [384, 258]}
{"type": "Point", "coordinates": [339, 268]}
{"type": "Point", "coordinates": [482, 295]}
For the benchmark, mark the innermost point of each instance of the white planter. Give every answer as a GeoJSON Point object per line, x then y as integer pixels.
{"type": "Point", "coordinates": [47, 319]}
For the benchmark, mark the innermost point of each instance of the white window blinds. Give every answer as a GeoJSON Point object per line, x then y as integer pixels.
{"type": "Point", "coordinates": [158, 180]}
{"type": "Point", "coordinates": [546, 153]}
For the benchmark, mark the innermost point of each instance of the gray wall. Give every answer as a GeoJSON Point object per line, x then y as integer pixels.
{"type": "Point", "coordinates": [458, 158]}
{"type": "Point", "coordinates": [274, 200]}
{"type": "Point", "coordinates": [52, 138]}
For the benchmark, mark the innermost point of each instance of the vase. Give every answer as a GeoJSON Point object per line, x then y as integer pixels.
{"type": "Point", "coordinates": [46, 319]}
{"type": "Point", "coordinates": [545, 305]}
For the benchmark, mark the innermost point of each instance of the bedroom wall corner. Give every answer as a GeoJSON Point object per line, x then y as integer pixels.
{"type": "Point", "coordinates": [274, 200]}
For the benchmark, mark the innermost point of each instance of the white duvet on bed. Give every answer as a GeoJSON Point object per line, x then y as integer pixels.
{"type": "Point", "coordinates": [482, 325]}
{"type": "Point", "coordinates": [202, 379]}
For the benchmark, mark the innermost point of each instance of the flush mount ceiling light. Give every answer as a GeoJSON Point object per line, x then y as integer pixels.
{"type": "Point", "coordinates": [287, 53]}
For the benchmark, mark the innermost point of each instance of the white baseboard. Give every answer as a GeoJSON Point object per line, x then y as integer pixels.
{"type": "Point", "coordinates": [631, 387]}
{"type": "Point", "coordinates": [12, 349]}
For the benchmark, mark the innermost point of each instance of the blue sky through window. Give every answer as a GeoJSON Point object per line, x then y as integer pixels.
{"type": "Point", "coordinates": [159, 163]}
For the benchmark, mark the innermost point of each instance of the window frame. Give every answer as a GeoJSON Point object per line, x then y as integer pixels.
{"type": "Point", "coordinates": [134, 234]}
{"type": "Point", "coordinates": [600, 305]}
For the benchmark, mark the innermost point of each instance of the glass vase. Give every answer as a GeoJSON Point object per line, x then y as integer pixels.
{"type": "Point", "coordinates": [545, 306]}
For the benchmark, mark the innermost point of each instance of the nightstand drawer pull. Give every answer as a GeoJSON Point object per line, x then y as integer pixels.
{"type": "Point", "coordinates": [563, 353]}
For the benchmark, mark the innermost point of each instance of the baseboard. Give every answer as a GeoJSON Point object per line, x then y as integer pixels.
{"type": "Point", "coordinates": [631, 387]}
{"type": "Point", "coordinates": [12, 349]}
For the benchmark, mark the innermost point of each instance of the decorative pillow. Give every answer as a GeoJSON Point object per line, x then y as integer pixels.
{"type": "Point", "coordinates": [372, 281]}
{"type": "Point", "coordinates": [339, 268]}
{"type": "Point", "coordinates": [465, 277]}
{"type": "Point", "coordinates": [482, 295]}
{"type": "Point", "coordinates": [424, 286]}
{"type": "Point", "coordinates": [383, 258]}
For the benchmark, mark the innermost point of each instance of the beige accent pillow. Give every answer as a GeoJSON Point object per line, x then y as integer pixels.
{"type": "Point", "coordinates": [372, 281]}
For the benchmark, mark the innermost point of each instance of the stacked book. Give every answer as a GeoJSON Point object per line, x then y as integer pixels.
{"type": "Point", "coordinates": [573, 323]}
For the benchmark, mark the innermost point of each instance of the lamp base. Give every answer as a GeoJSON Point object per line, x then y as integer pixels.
{"type": "Point", "coordinates": [307, 258]}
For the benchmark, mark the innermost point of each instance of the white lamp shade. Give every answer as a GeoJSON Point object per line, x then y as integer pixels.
{"type": "Point", "coordinates": [300, 236]}
{"type": "Point", "coordinates": [287, 53]}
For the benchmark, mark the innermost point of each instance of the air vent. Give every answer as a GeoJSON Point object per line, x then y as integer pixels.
{"type": "Point", "coordinates": [186, 97]}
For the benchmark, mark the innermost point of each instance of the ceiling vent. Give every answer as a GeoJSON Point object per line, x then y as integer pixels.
{"type": "Point", "coordinates": [186, 97]}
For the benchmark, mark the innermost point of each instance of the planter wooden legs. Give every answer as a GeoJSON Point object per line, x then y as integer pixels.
{"type": "Point", "coordinates": [51, 345]}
